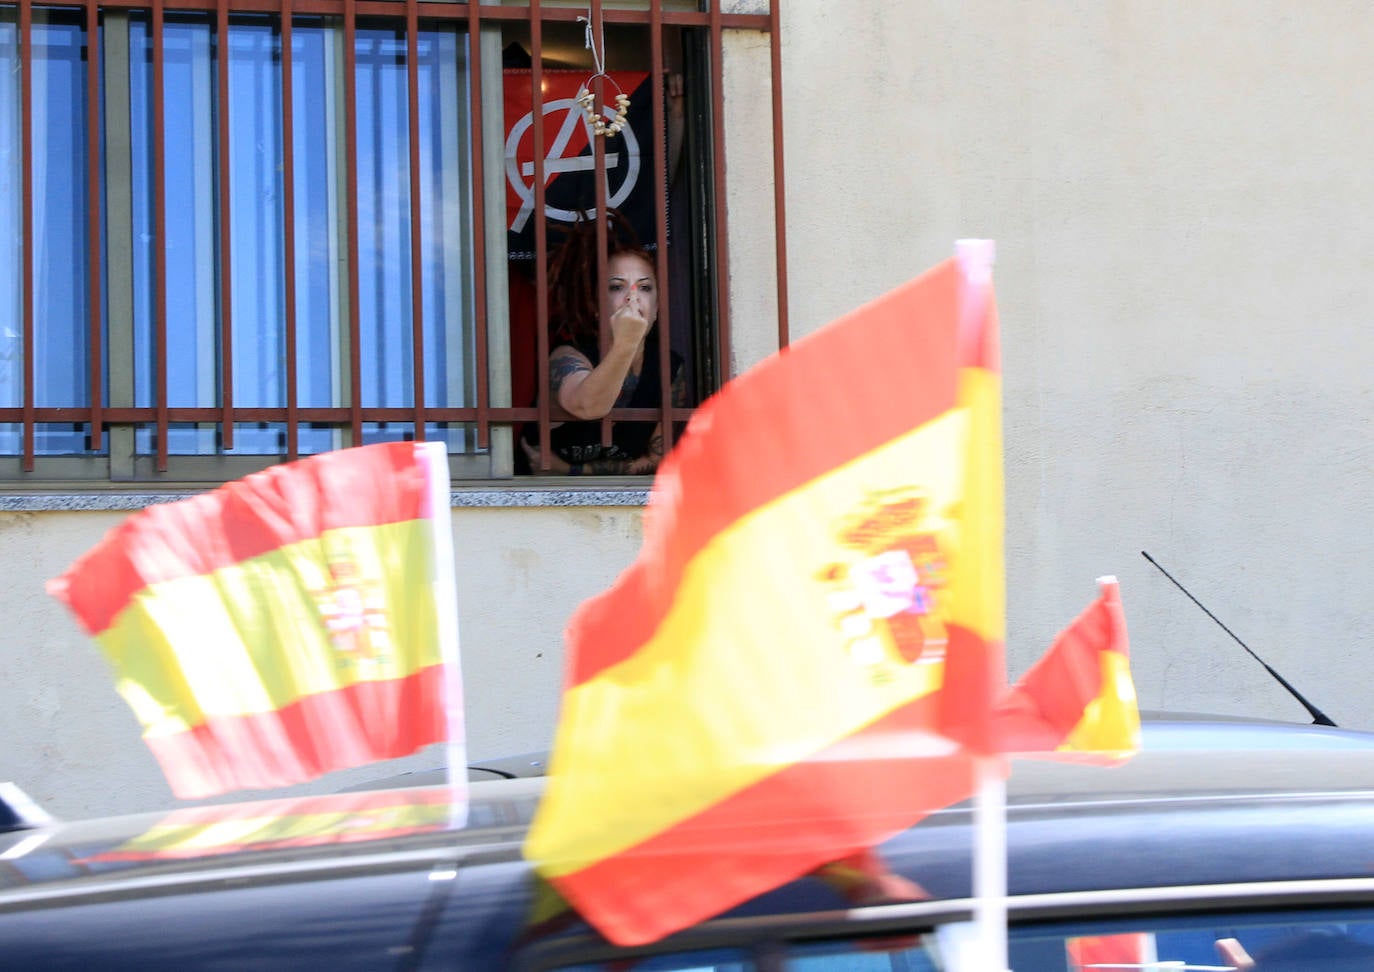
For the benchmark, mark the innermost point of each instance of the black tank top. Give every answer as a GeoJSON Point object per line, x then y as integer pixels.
{"type": "Point", "coordinates": [580, 442]}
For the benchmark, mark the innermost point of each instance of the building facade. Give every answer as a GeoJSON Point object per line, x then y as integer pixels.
{"type": "Point", "coordinates": [214, 257]}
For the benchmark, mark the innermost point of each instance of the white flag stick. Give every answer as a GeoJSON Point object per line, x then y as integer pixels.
{"type": "Point", "coordinates": [976, 258]}
{"type": "Point", "coordinates": [990, 864]}
{"type": "Point", "coordinates": [434, 455]}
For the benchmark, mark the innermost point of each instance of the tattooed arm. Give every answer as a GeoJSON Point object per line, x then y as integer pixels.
{"type": "Point", "coordinates": [586, 391]}
{"type": "Point", "coordinates": [566, 365]}
{"type": "Point", "coordinates": [642, 466]}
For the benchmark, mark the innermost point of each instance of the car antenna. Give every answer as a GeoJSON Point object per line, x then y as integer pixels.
{"type": "Point", "coordinates": [1319, 717]}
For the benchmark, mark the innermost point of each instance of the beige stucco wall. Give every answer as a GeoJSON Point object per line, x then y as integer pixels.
{"type": "Point", "coordinates": [1180, 195]}
{"type": "Point", "coordinates": [74, 745]}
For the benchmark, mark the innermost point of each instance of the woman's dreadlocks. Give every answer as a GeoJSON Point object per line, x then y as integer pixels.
{"type": "Point", "coordinates": [574, 287]}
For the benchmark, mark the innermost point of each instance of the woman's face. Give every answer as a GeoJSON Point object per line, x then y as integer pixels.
{"type": "Point", "coordinates": [630, 281]}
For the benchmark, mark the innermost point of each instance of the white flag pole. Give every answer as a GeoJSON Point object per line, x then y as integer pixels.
{"type": "Point", "coordinates": [976, 258]}
{"type": "Point", "coordinates": [434, 457]}
{"type": "Point", "coordinates": [990, 865]}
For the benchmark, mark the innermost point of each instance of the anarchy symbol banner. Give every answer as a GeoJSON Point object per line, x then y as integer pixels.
{"type": "Point", "coordinates": [568, 161]}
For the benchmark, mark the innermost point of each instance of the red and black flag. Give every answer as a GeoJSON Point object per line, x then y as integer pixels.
{"type": "Point", "coordinates": [569, 186]}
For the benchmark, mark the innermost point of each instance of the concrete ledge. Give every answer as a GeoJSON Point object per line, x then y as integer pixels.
{"type": "Point", "coordinates": [489, 496]}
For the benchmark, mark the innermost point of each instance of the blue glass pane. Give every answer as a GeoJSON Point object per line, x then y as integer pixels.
{"type": "Point", "coordinates": [60, 208]}
{"type": "Point", "coordinates": [444, 222]}
{"type": "Point", "coordinates": [311, 438]}
{"type": "Point", "coordinates": [446, 247]}
{"type": "Point", "coordinates": [256, 227]}
{"type": "Point", "coordinates": [385, 252]}
{"type": "Point", "coordinates": [374, 432]}
{"type": "Point", "coordinates": [11, 243]}
{"type": "Point", "coordinates": [461, 437]}
{"type": "Point", "coordinates": [315, 130]}
{"type": "Point", "coordinates": [384, 256]}
{"type": "Point", "coordinates": [61, 308]}
{"type": "Point", "coordinates": [190, 225]}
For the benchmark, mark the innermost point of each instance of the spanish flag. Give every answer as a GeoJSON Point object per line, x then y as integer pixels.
{"type": "Point", "coordinates": [801, 661]}
{"type": "Point", "coordinates": [290, 623]}
{"type": "Point", "coordinates": [1078, 701]}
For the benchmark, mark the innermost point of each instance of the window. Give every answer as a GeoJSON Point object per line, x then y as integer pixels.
{"type": "Point", "coordinates": [1315, 940]}
{"type": "Point", "coordinates": [229, 237]}
{"type": "Point", "coordinates": [906, 954]}
{"type": "Point", "coordinates": [56, 221]}
{"type": "Point", "coordinates": [1334, 940]}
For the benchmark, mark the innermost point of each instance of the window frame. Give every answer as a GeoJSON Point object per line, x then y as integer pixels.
{"type": "Point", "coordinates": [111, 174]}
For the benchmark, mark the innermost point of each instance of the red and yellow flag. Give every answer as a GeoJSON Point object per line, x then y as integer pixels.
{"type": "Point", "coordinates": [283, 625]}
{"type": "Point", "coordinates": [1077, 701]}
{"type": "Point", "coordinates": [818, 602]}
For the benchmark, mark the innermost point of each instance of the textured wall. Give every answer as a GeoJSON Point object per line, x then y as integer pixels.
{"type": "Point", "coordinates": [1180, 194]}
{"type": "Point", "coordinates": [73, 743]}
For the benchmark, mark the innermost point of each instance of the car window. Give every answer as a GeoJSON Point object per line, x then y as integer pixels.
{"type": "Point", "coordinates": [1317, 941]}
{"type": "Point", "coordinates": [904, 954]}
{"type": "Point", "coordinates": [1273, 941]}
{"type": "Point", "coordinates": [714, 960]}
{"type": "Point", "coordinates": [865, 955]}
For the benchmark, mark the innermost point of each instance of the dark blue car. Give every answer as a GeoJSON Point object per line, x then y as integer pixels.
{"type": "Point", "coordinates": [1222, 845]}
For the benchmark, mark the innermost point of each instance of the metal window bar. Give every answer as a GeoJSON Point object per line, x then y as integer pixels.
{"type": "Point", "coordinates": [598, 24]}
{"type": "Point", "coordinates": [479, 219]}
{"type": "Point", "coordinates": [722, 250]}
{"type": "Point", "coordinates": [26, 222]}
{"type": "Point", "coordinates": [355, 374]}
{"type": "Point", "coordinates": [779, 187]}
{"type": "Point", "coordinates": [665, 349]}
{"type": "Point", "coordinates": [224, 256]}
{"type": "Point", "coordinates": [417, 293]}
{"type": "Point", "coordinates": [288, 182]}
{"type": "Point", "coordinates": [351, 414]}
{"type": "Point", "coordinates": [94, 245]}
{"type": "Point", "coordinates": [541, 237]}
{"type": "Point", "coordinates": [159, 236]}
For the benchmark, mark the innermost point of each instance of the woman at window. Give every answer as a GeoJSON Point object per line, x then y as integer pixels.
{"type": "Point", "coordinates": [584, 383]}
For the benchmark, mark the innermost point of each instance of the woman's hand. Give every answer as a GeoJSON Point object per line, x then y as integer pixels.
{"type": "Point", "coordinates": [629, 323]}
{"type": "Point", "coordinates": [557, 467]}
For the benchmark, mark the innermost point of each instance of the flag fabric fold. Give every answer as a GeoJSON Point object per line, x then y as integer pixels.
{"type": "Point", "coordinates": [799, 663]}
{"type": "Point", "coordinates": [282, 625]}
{"type": "Point", "coordinates": [1078, 701]}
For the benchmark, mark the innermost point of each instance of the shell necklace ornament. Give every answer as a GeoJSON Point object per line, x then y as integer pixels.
{"type": "Point", "coordinates": [587, 99]}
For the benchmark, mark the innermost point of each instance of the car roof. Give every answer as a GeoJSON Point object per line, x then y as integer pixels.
{"type": "Point", "coordinates": [1184, 759]}
{"type": "Point", "coordinates": [1191, 808]}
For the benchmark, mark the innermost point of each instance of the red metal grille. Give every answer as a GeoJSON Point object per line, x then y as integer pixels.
{"type": "Point", "coordinates": [411, 16]}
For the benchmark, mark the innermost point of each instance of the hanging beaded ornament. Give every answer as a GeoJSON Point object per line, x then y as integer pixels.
{"type": "Point", "coordinates": [587, 100]}
{"type": "Point", "coordinates": [597, 119]}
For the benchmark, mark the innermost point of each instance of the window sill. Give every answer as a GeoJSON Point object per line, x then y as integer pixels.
{"type": "Point", "coordinates": [556, 492]}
